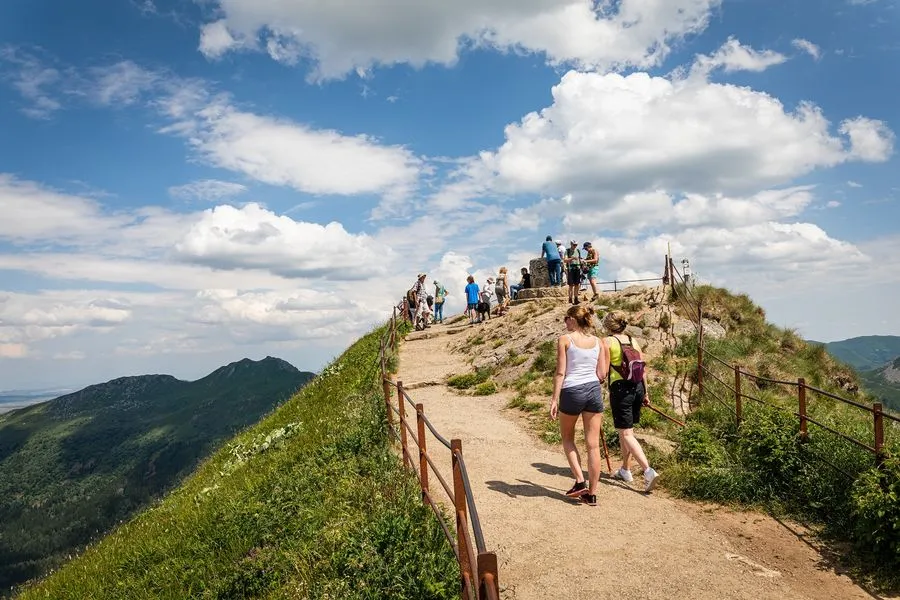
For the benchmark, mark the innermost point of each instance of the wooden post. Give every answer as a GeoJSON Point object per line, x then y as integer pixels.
{"type": "Point", "coordinates": [615, 285]}
{"type": "Point", "coordinates": [386, 387]}
{"type": "Point", "coordinates": [737, 395]}
{"type": "Point", "coordinates": [879, 434]}
{"type": "Point", "coordinates": [423, 462]}
{"type": "Point", "coordinates": [487, 575]}
{"type": "Point", "coordinates": [401, 406]}
{"type": "Point", "coordinates": [801, 397]}
{"type": "Point", "coordinates": [462, 519]}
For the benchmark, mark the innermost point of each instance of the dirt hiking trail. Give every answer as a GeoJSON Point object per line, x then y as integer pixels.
{"type": "Point", "coordinates": [632, 545]}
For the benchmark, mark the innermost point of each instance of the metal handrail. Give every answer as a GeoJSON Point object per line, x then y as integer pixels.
{"type": "Point", "coordinates": [470, 500]}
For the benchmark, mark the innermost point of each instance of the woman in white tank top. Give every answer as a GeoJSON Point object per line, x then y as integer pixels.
{"type": "Point", "coordinates": [582, 361]}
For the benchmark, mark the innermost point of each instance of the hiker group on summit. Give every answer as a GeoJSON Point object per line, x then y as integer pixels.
{"type": "Point", "coordinates": [584, 361]}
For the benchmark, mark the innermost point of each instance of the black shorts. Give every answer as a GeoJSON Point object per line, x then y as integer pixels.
{"type": "Point", "coordinates": [574, 275]}
{"type": "Point", "coordinates": [587, 397]}
{"type": "Point", "coordinates": [625, 400]}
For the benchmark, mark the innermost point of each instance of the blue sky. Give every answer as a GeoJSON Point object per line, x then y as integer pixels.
{"type": "Point", "coordinates": [185, 183]}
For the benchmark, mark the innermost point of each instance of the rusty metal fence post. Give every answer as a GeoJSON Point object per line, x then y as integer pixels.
{"type": "Point", "coordinates": [737, 395]}
{"type": "Point", "coordinates": [487, 576]}
{"type": "Point", "coordinates": [423, 461]}
{"type": "Point", "coordinates": [699, 353]}
{"type": "Point", "coordinates": [879, 434]}
{"type": "Point", "coordinates": [801, 398]}
{"type": "Point", "coordinates": [462, 520]}
{"type": "Point", "coordinates": [402, 410]}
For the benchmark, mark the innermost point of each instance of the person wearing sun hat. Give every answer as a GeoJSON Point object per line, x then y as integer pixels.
{"type": "Point", "coordinates": [421, 300]}
{"type": "Point", "coordinates": [592, 262]}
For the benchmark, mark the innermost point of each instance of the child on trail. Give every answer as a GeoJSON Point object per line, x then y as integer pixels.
{"type": "Point", "coordinates": [471, 299]}
{"type": "Point", "coordinates": [625, 399]}
{"type": "Point", "coordinates": [582, 361]}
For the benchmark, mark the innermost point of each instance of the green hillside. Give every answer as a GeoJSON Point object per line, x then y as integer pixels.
{"type": "Point", "coordinates": [309, 503]}
{"type": "Point", "coordinates": [867, 352]}
{"type": "Point", "coordinates": [73, 467]}
{"type": "Point", "coordinates": [884, 384]}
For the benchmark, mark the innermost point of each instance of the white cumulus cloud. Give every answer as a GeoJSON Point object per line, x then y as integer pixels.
{"type": "Point", "coordinates": [252, 237]}
{"type": "Point", "coordinates": [341, 37]}
{"type": "Point", "coordinates": [606, 136]}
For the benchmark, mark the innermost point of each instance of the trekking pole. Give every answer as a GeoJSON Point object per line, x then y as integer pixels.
{"type": "Point", "coordinates": [662, 414]}
{"type": "Point", "coordinates": [605, 450]}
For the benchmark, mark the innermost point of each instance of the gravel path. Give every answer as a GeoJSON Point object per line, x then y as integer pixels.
{"type": "Point", "coordinates": [631, 545]}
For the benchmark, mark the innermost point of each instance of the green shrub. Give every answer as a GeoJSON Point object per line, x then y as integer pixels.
{"type": "Point", "coordinates": [697, 444]}
{"type": "Point", "coordinates": [768, 444]}
{"type": "Point", "coordinates": [876, 512]}
{"type": "Point", "coordinates": [467, 380]}
{"type": "Point", "coordinates": [486, 388]}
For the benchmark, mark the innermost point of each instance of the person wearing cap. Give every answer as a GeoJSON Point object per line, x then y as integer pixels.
{"type": "Point", "coordinates": [573, 270]}
{"type": "Point", "coordinates": [561, 272]}
{"type": "Point", "coordinates": [440, 294]}
{"type": "Point", "coordinates": [592, 262]}
{"type": "Point", "coordinates": [554, 260]}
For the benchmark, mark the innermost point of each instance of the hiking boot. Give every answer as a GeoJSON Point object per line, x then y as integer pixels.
{"type": "Point", "coordinates": [589, 499]}
{"type": "Point", "coordinates": [624, 474]}
{"type": "Point", "coordinates": [650, 477]}
{"type": "Point", "coordinates": [577, 490]}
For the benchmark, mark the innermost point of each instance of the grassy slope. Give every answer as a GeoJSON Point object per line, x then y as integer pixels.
{"type": "Point", "coordinates": [309, 503]}
{"type": "Point", "coordinates": [74, 467]}
{"type": "Point", "coordinates": [825, 480]}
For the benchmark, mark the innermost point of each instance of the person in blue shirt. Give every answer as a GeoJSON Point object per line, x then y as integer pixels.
{"type": "Point", "coordinates": [472, 299]}
{"type": "Point", "coordinates": [554, 261]}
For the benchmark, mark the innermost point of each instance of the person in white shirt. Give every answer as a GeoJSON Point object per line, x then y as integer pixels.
{"type": "Point", "coordinates": [582, 360]}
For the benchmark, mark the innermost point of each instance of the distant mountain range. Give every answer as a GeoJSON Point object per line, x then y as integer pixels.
{"type": "Point", "coordinates": [877, 360]}
{"type": "Point", "coordinates": [73, 467]}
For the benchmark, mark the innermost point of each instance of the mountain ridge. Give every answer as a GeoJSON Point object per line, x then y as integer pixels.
{"type": "Point", "coordinates": [73, 466]}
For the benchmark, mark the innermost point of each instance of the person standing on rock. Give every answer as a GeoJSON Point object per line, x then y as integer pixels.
{"type": "Point", "coordinates": [591, 263]}
{"type": "Point", "coordinates": [554, 260]}
{"type": "Point", "coordinates": [573, 271]}
{"type": "Point", "coordinates": [581, 366]}
{"type": "Point", "coordinates": [471, 299]}
{"type": "Point", "coordinates": [440, 294]}
{"type": "Point", "coordinates": [625, 399]}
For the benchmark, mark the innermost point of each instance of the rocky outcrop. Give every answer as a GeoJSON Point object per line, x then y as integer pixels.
{"type": "Point", "coordinates": [542, 292]}
{"type": "Point", "coordinates": [540, 278]}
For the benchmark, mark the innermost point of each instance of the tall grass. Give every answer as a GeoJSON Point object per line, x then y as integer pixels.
{"type": "Point", "coordinates": [309, 503]}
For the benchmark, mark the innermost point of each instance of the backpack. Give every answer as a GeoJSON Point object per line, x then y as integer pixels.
{"type": "Point", "coordinates": [632, 367]}
{"type": "Point", "coordinates": [411, 295]}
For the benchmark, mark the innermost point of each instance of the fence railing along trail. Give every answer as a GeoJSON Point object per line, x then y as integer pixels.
{"type": "Point", "coordinates": [477, 566]}
{"type": "Point", "coordinates": [707, 361]}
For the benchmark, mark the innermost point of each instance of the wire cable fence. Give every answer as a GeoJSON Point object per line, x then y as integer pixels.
{"type": "Point", "coordinates": [478, 569]}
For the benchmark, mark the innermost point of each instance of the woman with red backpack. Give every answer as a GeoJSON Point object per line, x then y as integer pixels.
{"type": "Point", "coordinates": [627, 394]}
